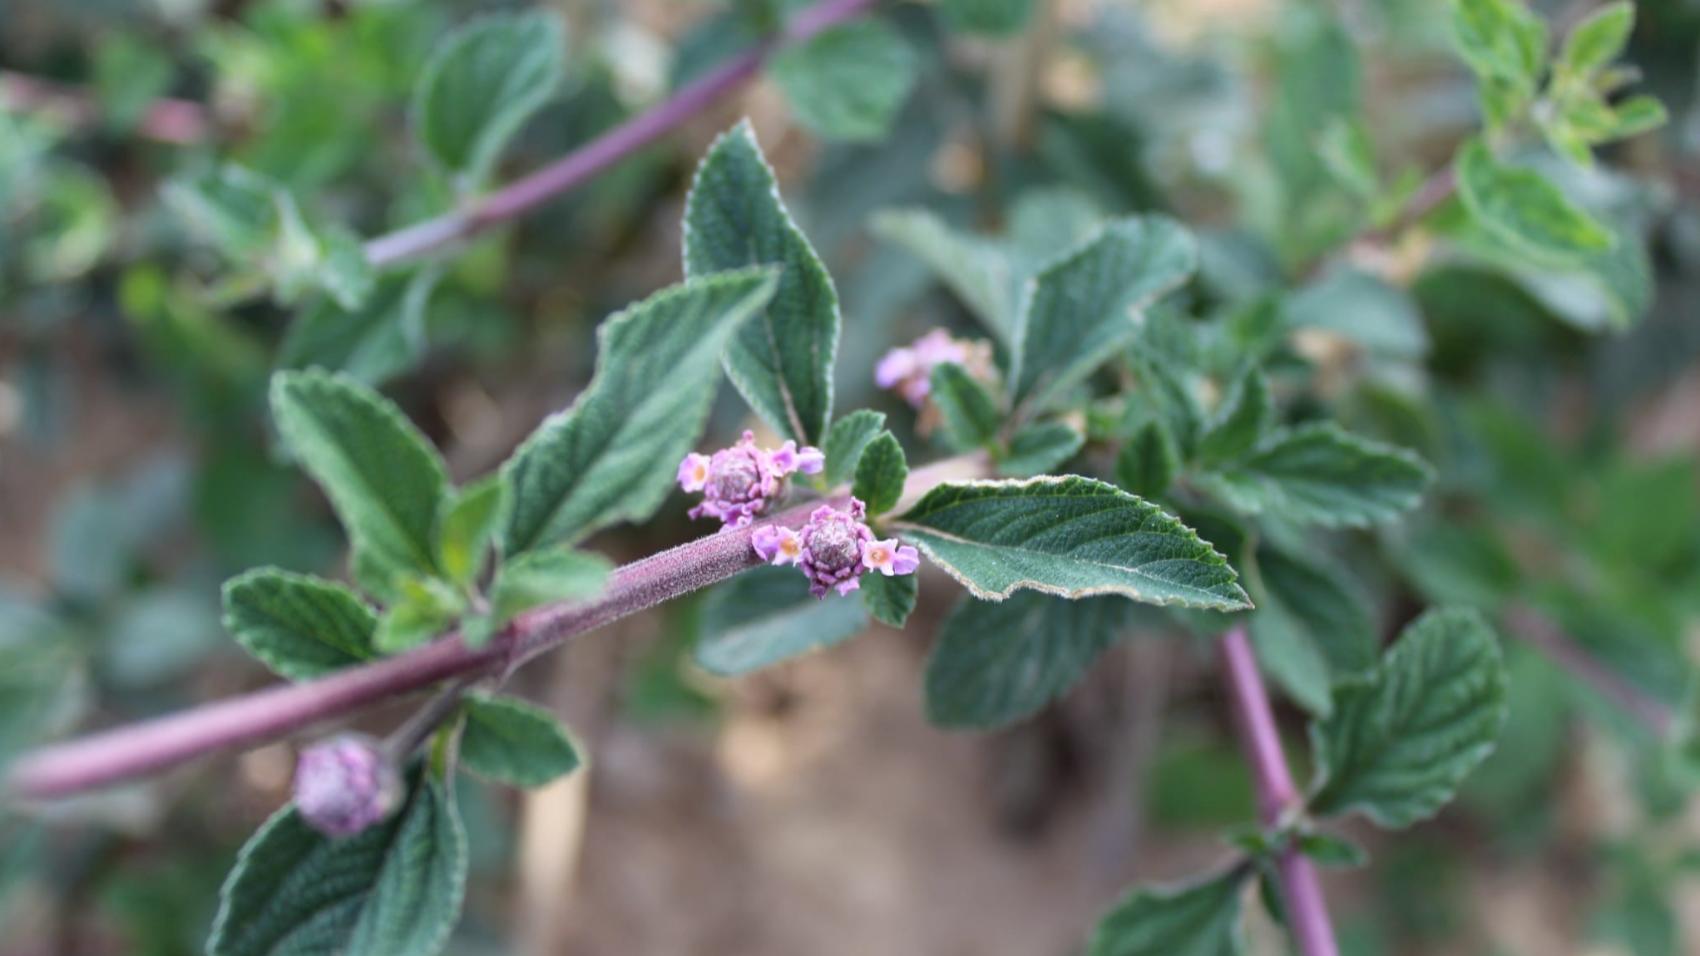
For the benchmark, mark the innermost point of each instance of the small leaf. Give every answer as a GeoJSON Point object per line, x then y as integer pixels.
{"type": "Point", "coordinates": [846, 441]}
{"type": "Point", "coordinates": [1199, 919]}
{"type": "Point", "coordinates": [1500, 39]}
{"type": "Point", "coordinates": [382, 476]}
{"type": "Point", "coordinates": [971, 417]}
{"type": "Point", "coordinates": [782, 361]}
{"type": "Point", "coordinates": [344, 272]}
{"type": "Point", "coordinates": [513, 742]}
{"type": "Point", "coordinates": [997, 662]}
{"type": "Point", "coordinates": [1311, 627]}
{"type": "Point", "coordinates": [890, 599]}
{"type": "Point", "coordinates": [847, 82]}
{"type": "Point", "coordinates": [1330, 850]}
{"type": "Point", "coordinates": [996, 17]}
{"type": "Point", "coordinates": [880, 474]}
{"type": "Point", "coordinates": [1069, 536]}
{"type": "Point", "coordinates": [765, 616]}
{"type": "Point", "coordinates": [977, 270]}
{"type": "Point", "coordinates": [1148, 463]}
{"type": "Point", "coordinates": [395, 888]}
{"type": "Point", "coordinates": [612, 456]}
{"type": "Point", "coordinates": [297, 625]}
{"type": "Point", "coordinates": [1361, 308]}
{"type": "Point", "coordinates": [1039, 448]}
{"type": "Point", "coordinates": [233, 208]}
{"type": "Point", "coordinates": [481, 85]}
{"type": "Point", "coordinates": [422, 609]}
{"type": "Point", "coordinates": [1521, 207]}
{"type": "Point", "coordinates": [1319, 474]}
{"type": "Point", "coordinates": [1636, 115]}
{"type": "Point", "coordinates": [468, 526]}
{"type": "Point", "coordinates": [1403, 736]}
{"type": "Point", "coordinates": [1598, 39]}
{"type": "Point", "coordinates": [1080, 309]}
{"type": "Point", "coordinates": [543, 577]}
{"type": "Point", "coordinates": [1240, 422]}
{"type": "Point", "coordinates": [372, 343]}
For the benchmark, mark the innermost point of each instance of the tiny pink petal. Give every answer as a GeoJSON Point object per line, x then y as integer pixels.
{"type": "Point", "coordinates": [905, 560]}
{"type": "Point", "coordinates": [847, 585]}
{"type": "Point", "coordinates": [693, 472]}
{"type": "Point", "coordinates": [895, 366]}
{"type": "Point", "coordinates": [784, 458]}
{"type": "Point", "coordinates": [765, 540]}
{"type": "Point", "coordinates": [810, 460]}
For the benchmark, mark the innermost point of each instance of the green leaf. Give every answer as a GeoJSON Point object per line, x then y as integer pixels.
{"type": "Point", "coordinates": [1080, 309]}
{"type": "Point", "coordinates": [1364, 309]}
{"type": "Point", "coordinates": [1319, 474]}
{"type": "Point", "coordinates": [1522, 208]}
{"type": "Point", "coordinates": [880, 474]}
{"type": "Point", "coordinates": [781, 362]}
{"type": "Point", "coordinates": [395, 888]}
{"type": "Point", "coordinates": [1500, 39]}
{"type": "Point", "coordinates": [1199, 919]}
{"type": "Point", "coordinates": [513, 742]}
{"type": "Point", "coordinates": [1068, 536]}
{"type": "Point", "coordinates": [382, 476]}
{"type": "Point", "coordinates": [612, 456]}
{"type": "Point", "coordinates": [1330, 850]}
{"type": "Point", "coordinates": [1311, 627]}
{"type": "Point", "coordinates": [1241, 420]}
{"type": "Point", "coordinates": [997, 662]}
{"type": "Point", "coordinates": [344, 272]}
{"type": "Point", "coordinates": [371, 343]}
{"type": "Point", "coordinates": [970, 415]}
{"type": "Point", "coordinates": [845, 443]}
{"type": "Point", "coordinates": [232, 208]}
{"type": "Point", "coordinates": [482, 84]}
{"type": "Point", "coordinates": [977, 270]}
{"type": "Point", "coordinates": [422, 609]}
{"type": "Point", "coordinates": [766, 616]}
{"type": "Point", "coordinates": [1148, 463]}
{"type": "Point", "coordinates": [469, 524]}
{"type": "Point", "coordinates": [890, 598]}
{"type": "Point", "coordinates": [1403, 736]}
{"type": "Point", "coordinates": [297, 625]}
{"type": "Point", "coordinates": [543, 577]}
{"type": "Point", "coordinates": [1038, 448]}
{"type": "Point", "coordinates": [847, 82]}
{"type": "Point", "coordinates": [997, 17]}
{"type": "Point", "coordinates": [1636, 115]}
{"type": "Point", "coordinates": [1598, 39]}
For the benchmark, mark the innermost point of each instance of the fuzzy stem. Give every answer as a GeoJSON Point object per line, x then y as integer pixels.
{"type": "Point", "coordinates": [525, 194]}
{"type": "Point", "coordinates": [1277, 798]}
{"type": "Point", "coordinates": [149, 747]}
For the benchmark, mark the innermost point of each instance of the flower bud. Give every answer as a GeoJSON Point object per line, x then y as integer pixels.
{"type": "Point", "coordinates": [345, 784]}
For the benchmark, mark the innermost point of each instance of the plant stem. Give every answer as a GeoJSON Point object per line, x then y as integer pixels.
{"type": "Point", "coordinates": [525, 194]}
{"type": "Point", "coordinates": [1307, 911]}
{"type": "Point", "coordinates": [1539, 633]}
{"type": "Point", "coordinates": [139, 750]}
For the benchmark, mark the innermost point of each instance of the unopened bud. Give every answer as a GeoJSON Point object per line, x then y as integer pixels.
{"type": "Point", "coordinates": [345, 784]}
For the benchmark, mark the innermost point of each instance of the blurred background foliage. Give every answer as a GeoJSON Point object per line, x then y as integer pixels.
{"type": "Point", "coordinates": [1561, 407]}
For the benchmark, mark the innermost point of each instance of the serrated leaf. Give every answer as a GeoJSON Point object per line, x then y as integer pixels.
{"type": "Point", "coordinates": [481, 85]}
{"type": "Point", "coordinates": [470, 521]}
{"type": "Point", "coordinates": [381, 475]}
{"type": "Point", "coordinates": [1068, 536]}
{"type": "Point", "coordinates": [612, 456]}
{"type": "Point", "coordinates": [514, 742]}
{"type": "Point", "coordinates": [847, 82]}
{"type": "Point", "coordinates": [395, 888]}
{"type": "Point", "coordinates": [1362, 308]}
{"type": "Point", "coordinates": [1311, 627]}
{"type": "Point", "coordinates": [299, 626]}
{"type": "Point", "coordinates": [845, 443]}
{"type": "Point", "coordinates": [1521, 207]}
{"type": "Point", "coordinates": [997, 662]}
{"type": "Point", "coordinates": [890, 598]}
{"type": "Point", "coordinates": [996, 17]}
{"type": "Point", "coordinates": [422, 609]}
{"type": "Point", "coordinates": [1598, 39]}
{"type": "Point", "coordinates": [1320, 474]}
{"type": "Point", "coordinates": [781, 362]}
{"type": "Point", "coordinates": [969, 413]}
{"type": "Point", "coordinates": [1148, 463]}
{"type": "Point", "coordinates": [1039, 448]}
{"type": "Point", "coordinates": [977, 270]}
{"type": "Point", "coordinates": [372, 343]}
{"type": "Point", "coordinates": [1500, 39]}
{"type": "Point", "coordinates": [1080, 309]}
{"type": "Point", "coordinates": [1241, 420]}
{"type": "Point", "coordinates": [766, 616]}
{"type": "Point", "coordinates": [1403, 736]}
{"type": "Point", "coordinates": [880, 474]}
{"type": "Point", "coordinates": [1198, 919]}
{"type": "Point", "coordinates": [543, 577]}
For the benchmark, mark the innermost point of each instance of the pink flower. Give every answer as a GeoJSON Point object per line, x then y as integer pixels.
{"type": "Point", "coordinates": [740, 482]}
{"type": "Point", "coordinates": [909, 369]}
{"type": "Point", "coordinates": [834, 549]}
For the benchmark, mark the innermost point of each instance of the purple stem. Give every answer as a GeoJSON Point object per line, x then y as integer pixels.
{"type": "Point", "coordinates": [1307, 911]}
{"type": "Point", "coordinates": [523, 195]}
{"type": "Point", "coordinates": [138, 750]}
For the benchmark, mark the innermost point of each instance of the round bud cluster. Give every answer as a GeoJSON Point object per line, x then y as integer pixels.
{"type": "Point", "coordinates": [740, 482]}
{"type": "Point", "coordinates": [908, 369]}
{"type": "Point", "coordinates": [834, 549]}
{"type": "Point", "coordinates": [345, 784]}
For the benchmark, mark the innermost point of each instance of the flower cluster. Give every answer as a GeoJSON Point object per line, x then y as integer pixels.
{"type": "Point", "coordinates": [834, 549]}
{"type": "Point", "coordinates": [345, 784]}
{"type": "Point", "coordinates": [908, 369]}
{"type": "Point", "coordinates": [739, 482]}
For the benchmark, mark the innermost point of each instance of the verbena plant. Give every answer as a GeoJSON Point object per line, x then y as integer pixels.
{"type": "Point", "coordinates": [1147, 427]}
